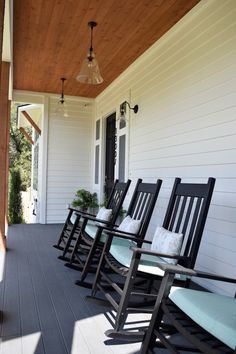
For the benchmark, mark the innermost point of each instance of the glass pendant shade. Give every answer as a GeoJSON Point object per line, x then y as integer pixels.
{"type": "Point", "coordinates": [61, 109]}
{"type": "Point", "coordinates": [122, 117]}
{"type": "Point", "coordinates": [122, 121]}
{"type": "Point", "coordinates": [90, 73]}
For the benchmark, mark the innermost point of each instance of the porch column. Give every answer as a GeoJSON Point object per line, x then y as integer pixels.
{"type": "Point", "coordinates": [2, 8]}
{"type": "Point", "coordinates": [4, 149]}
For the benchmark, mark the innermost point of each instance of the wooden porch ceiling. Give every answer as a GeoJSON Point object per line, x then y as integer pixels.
{"type": "Point", "coordinates": [51, 39]}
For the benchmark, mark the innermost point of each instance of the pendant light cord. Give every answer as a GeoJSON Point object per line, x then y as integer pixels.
{"type": "Point", "coordinates": [91, 40]}
{"type": "Point", "coordinates": [91, 24]}
{"type": "Point", "coordinates": [62, 90]}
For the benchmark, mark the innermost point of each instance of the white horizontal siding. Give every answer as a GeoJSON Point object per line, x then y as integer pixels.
{"type": "Point", "coordinates": [185, 85]}
{"type": "Point", "coordinates": [69, 155]}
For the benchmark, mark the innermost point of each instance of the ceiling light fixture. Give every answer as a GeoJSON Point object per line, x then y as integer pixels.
{"type": "Point", "coordinates": [62, 100]}
{"type": "Point", "coordinates": [61, 106]}
{"type": "Point", "coordinates": [90, 73]}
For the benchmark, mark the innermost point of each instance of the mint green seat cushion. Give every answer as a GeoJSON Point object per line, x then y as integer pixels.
{"type": "Point", "coordinates": [215, 313]}
{"type": "Point", "coordinates": [91, 229]}
{"type": "Point", "coordinates": [122, 252]}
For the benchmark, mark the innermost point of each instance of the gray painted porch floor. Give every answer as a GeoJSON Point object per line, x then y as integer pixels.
{"type": "Point", "coordinates": [42, 310]}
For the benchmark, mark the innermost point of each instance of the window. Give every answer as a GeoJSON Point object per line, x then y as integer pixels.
{"type": "Point", "coordinates": [96, 164]}
{"type": "Point", "coordinates": [122, 143]}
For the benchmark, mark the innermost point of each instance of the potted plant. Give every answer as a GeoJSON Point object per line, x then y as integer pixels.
{"type": "Point", "coordinates": [84, 200]}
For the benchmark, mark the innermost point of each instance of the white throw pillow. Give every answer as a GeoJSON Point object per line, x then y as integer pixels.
{"type": "Point", "coordinates": [104, 214]}
{"type": "Point", "coordinates": [130, 225]}
{"type": "Point", "coordinates": [167, 242]}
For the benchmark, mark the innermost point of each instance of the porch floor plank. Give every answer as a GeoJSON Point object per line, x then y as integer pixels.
{"type": "Point", "coordinates": [43, 312]}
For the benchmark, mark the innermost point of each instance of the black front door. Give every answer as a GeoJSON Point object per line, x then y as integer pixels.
{"type": "Point", "coordinates": [110, 153]}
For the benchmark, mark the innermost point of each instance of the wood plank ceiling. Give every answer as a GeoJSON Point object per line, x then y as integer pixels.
{"type": "Point", "coordinates": [51, 39]}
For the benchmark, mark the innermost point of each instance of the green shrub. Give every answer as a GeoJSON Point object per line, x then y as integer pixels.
{"type": "Point", "coordinates": [15, 203]}
{"type": "Point", "coordinates": [85, 199]}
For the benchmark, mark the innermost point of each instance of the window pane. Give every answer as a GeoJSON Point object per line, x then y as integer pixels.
{"type": "Point", "coordinates": [96, 163]}
{"type": "Point", "coordinates": [122, 124]}
{"type": "Point", "coordinates": [97, 129]}
{"type": "Point", "coordinates": [122, 158]}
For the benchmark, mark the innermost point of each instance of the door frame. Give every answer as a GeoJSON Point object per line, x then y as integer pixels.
{"type": "Point", "coordinates": [99, 188]}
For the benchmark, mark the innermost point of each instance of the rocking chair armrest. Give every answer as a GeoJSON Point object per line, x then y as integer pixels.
{"type": "Point", "coordinates": [158, 254]}
{"type": "Point", "coordinates": [125, 235]}
{"type": "Point", "coordinates": [80, 212]}
{"type": "Point", "coordinates": [104, 222]}
{"type": "Point", "coordinates": [74, 209]}
{"type": "Point", "coordinates": [71, 208]}
{"type": "Point", "coordinates": [178, 269]}
{"type": "Point", "coordinates": [85, 213]}
{"type": "Point", "coordinates": [92, 217]}
{"type": "Point", "coordinates": [212, 276]}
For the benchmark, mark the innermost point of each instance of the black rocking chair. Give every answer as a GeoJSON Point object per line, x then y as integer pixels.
{"type": "Point", "coordinates": [186, 213]}
{"type": "Point", "coordinates": [70, 231]}
{"type": "Point", "coordinates": [93, 238]}
{"type": "Point", "coordinates": [204, 322]}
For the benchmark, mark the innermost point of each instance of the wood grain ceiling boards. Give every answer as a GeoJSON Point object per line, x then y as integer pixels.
{"type": "Point", "coordinates": [51, 39]}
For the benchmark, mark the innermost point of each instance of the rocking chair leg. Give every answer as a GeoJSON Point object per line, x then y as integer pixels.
{"type": "Point", "coordinates": [150, 338]}
{"type": "Point", "coordinates": [58, 245]}
{"type": "Point", "coordinates": [76, 246]}
{"type": "Point", "coordinates": [122, 310]}
{"type": "Point", "coordinates": [89, 258]}
{"type": "Point", "coordinates": [98, 273]}
{"type": "Point", "coordinates": [68, 243]}
{"type": "Point", "coordinates": [66, 248]}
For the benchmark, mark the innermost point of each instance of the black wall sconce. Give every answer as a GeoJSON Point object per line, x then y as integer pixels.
{"type": "Point", "coordinates": [123, 110]}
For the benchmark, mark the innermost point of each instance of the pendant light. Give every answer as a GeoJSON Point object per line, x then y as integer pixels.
{"type": "Point", "coordinates": [61, 105]}
{"type": "Point", "coordinates": [90, 73]}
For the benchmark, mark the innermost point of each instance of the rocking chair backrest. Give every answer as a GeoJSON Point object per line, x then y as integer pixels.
{"type": "Point", "coordinates": [187, 212]}
{"type": "Point", "coordinates": [116, 198]}
{"type": "Point", "coordinates": [143, 202]}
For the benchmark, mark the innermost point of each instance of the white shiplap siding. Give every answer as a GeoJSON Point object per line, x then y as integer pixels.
{"type": "Point", "coordinates": [69, 155]}
{"type": "Point", "coordinates": [185, 86]}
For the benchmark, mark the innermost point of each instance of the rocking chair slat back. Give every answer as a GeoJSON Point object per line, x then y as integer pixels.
{"type": "Point", "coordinates": [142, 204]}
{"type": "Point", "coordinates": [117, 197]}
{"type": "Point", "coordinates": [186, 213]}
